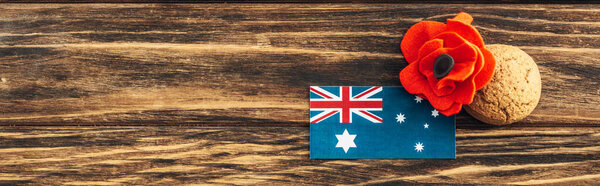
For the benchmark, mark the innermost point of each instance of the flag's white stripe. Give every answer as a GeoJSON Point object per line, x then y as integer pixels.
{"type": "Point", "coordinates": [374, 120]}
{"type": "Point", "coordinates": [366, 96]}
{"type": "Point", "coordinates": [325, 92]}
{"type": "Point", "coordinates": [366, 99]}
{"type": "Point", "coordinates": [325, 112]}
{"type": "Point", "coordinates": [325, 109]}
{"type": "Point", "coordinates": [312, 119]}
{"type": "Point", "coordinates": [325, 99]}
{"type": "Point", "coordinates": [367, 109]}
{"type": "Point", "coordinates": [379, 119]}
{"type": "Point", "coordinates": [349, 92]}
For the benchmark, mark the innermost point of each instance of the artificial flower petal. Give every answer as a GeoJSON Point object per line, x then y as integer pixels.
{"type": "Point", "coordinates": [439, 89]}
{"type": "Point", "coordinates": [464, 92]}
{"type": "Point", "coordinates": [450, 39]}
{"type": "Point", "coordinates": [417, 35]}
{"type": "Point", "coordinates": [460, 72]}
{"type": "Point", "coordinates": [455, 108]}
{"type": "Point", "coordinates": [464, 53]}
{"type": "Point", "coordinates": [412, 81]}
{"type": "Point", "coordinates": [487, 72]}
{"type": "Point", "coordinates": [445, 88]}
{"type": "Point", "coordinates": [439, 102]}
{"type": "Point", "coordinates": [463, 17]}
{"type": "Point", "coordinates": [466, 31]}
{"type": "Point", "coordinates": [479, 63]}
{"type": "Point", "coordinates": [430, 46]}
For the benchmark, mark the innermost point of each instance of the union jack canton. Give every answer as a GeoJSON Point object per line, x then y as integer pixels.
{"type": "Point", "coordinates": [346, 100]}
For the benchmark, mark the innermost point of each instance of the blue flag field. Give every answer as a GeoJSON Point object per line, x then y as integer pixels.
{"type": "Point", "coordinates": [377, 122]}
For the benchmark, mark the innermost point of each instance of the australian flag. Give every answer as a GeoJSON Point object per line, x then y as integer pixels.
{"type": "Point", "coordinates": [349, 122]}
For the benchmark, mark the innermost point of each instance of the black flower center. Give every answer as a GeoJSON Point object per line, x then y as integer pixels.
{"type": "Point", "coordinates": [442, 66]}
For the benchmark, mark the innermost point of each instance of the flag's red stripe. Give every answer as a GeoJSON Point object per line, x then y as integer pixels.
{"type": "Point", "coordinates": [325, 116]}
{"type": "Point", "coordinates": [320, 93]}
{"type": "Point", "coordinates": [349, 104]}
{"type": "Point", "coordinates": [345, 105]}
{"type": "Point", "coordinates": [366, 92]}
{"type": "Point", "coordinates": [371, 115]}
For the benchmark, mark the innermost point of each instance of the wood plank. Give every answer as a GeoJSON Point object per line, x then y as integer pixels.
{"type": "Point", "coordinates": [279, 155]}
{"type": "Point", "coordinates": [250, 64]}
{"type": "Point", "coordinates": [306, 1]}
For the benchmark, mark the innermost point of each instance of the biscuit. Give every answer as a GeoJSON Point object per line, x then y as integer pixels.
{"type": "Point", "coordinates": [514, 91]}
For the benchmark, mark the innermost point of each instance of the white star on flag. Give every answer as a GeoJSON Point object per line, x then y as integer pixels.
{"type": "Point", "coordinates": [435, 113]}
{"type": "Point", "coordinates": [426, 125]}
{"type": "Point", "coordinates": [345, 140]}
{"type": "Point", "coordinates": [418, 99]}
{"type": "Point", "coordinates": [419, 147]}
{"type": "Point", "coordinates": [400, 118]}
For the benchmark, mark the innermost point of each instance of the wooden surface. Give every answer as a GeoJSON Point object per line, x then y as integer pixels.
{"type": "Point", "coordinates": [312, 1]}
{"type": "Point", "coordinates": [247, 64]}
{"type": "Point", "coordinates": [217, 93]}
{"type": "Point", "coordinates": [279, 155]}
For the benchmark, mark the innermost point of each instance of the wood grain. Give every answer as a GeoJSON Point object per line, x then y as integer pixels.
{"type": "Point", "coordinates": [279, 155]}
{"type": "Point", "coordinates": [251, 64]}
{"type": "Point", "coordinates": [310, 1]}
{"type": "Point", "coordinates": [243, 71]}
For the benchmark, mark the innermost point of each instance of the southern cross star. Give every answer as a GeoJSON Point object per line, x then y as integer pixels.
{"type": "Point", "coordinates": [345, 140]}
{"type": "Point", "coordinates": [400, 118]}
{"type": "Point", "coordinates": [426, 125]}
{"type": "Point", "coordinates": [419, 147]}
{"type": "Point", "coordinates": [435, 113]}
{"type": "Point", "coordinates": [418, 99]}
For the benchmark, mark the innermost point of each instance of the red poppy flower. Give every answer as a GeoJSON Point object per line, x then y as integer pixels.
{"type": "Point", "coordinates": [447, 62]}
